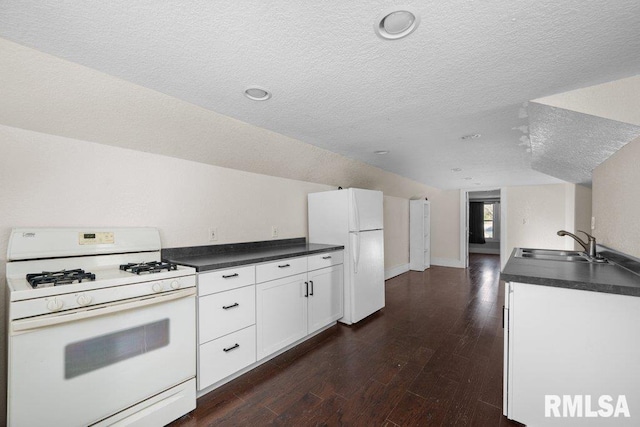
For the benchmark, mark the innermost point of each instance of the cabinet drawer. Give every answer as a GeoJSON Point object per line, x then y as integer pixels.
{"type": "Point", "coordinates": [220, 358]}
{"type": "Point", "coordinates": [225, 312]}
{"type": "Point", "coordinates": [283, 268]}
{"type": "Point", "coordinates": [326, 259]}
{"type": "Point", "coordinates": [224, 280]}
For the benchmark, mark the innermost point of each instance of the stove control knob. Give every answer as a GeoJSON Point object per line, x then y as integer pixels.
{"type": "Point", "coordinates": [83, 300]}
{"type": "Point", "coordinates": [54, 304]}
{"type": "Point", "coordinates": [156, 287]}
{"type": "Point", "coordinates": [175, 284]}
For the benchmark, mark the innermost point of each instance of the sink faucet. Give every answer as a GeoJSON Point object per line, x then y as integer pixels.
{"type": "Point", "coordinates": [589, 247]}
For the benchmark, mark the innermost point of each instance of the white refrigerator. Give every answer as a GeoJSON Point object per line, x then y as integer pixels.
{"type": "Point", "coordinates": [353, 218]}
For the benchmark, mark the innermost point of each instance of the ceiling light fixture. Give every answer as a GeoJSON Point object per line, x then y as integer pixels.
{"type": "Point", "coordinates": [396, 24]}
{"type": "Point", "coordinates": [381, 152]}
{"type": "Point", "coordinates": [471, 136]}
{"type": "Point", "coordinates": [256, 93]}
{"type": "Point", "coordinates": [456, 170]}
{"type": "Point", "coordinates": [468, 178]}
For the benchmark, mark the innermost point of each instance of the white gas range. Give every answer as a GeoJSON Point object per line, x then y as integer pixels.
{"type": "Point", "coordinates": [100, 331]}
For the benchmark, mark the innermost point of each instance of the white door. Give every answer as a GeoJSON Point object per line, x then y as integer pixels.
{"type": "Point", "coordinates": [365, 210]}
{"type": "Point", "coordinates": [325, 297]}
{"type": "Point", "coordinates": [281, 313]}
{"type": "Point", "coordinates": [367, 274]}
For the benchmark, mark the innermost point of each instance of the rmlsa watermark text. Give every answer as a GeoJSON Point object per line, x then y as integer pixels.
{"type": "Point", "coordinates": [576, 406]}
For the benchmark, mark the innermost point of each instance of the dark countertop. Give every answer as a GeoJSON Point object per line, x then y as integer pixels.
{"type": "Point", "coordinates": [205, 258]}
{"type": "Point", "coordinates": [609, 278]}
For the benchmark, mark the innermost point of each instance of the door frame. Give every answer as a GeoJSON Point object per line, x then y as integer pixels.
{"type": "Point", "coordinates": [464, 224]}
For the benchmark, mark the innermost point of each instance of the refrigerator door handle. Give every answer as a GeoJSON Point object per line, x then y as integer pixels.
{"type": "Point", "coordinates": [356, 212]}
{"type": "Point", "coordinates": [356, 251]}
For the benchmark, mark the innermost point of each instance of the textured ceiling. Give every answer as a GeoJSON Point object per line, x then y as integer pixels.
{"type": "Point", "coordinates": [569, 145]}
{"type": "Point", "coordinates": [468, 68]}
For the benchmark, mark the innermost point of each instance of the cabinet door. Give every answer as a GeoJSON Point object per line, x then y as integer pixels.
{"type": "Point", "coordinates": [281, 313]}
{"type": "Point", "coordinates": [325, 297]}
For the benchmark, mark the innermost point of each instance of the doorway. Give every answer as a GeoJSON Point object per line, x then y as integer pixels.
{"type": "Point", "coordinates": [482, 223]}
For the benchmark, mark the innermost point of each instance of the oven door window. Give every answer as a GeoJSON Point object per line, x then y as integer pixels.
{"type": "Point", "coordinates": [95, 353]}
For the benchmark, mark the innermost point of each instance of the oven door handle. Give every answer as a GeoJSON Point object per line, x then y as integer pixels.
{"type": "Point", "coordinates": [28, 325]}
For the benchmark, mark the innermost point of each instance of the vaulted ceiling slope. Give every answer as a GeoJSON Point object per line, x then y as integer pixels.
{"type": "Point", "coordinates": [467, 69]}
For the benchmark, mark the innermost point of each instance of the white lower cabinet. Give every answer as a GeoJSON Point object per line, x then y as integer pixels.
{"type": "Point", "coordinates": [240, 323]}
{"type": "Point", "coordinates": [281, 313]}
{"type": "Point", "coordinates": [226, 312]}
{"type": "Point", "coordinates": [226, 323]}
{"type": "Point", "coordinates": [290, 308]}
{"type": "Point", "coordinates": [224, 356]}
{"type": "Point", "coordinates": [325, 297]}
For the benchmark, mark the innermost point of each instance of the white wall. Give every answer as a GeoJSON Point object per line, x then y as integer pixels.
{"type": "Point", "coordinates": [396, 232]}
{"type": "Point", "coordinates": [616, 201]}
{"type": "Point", "coordinates": [57, 181]}
{"type": "Point", "coordinates": [445, 228]}
{"type": "Point", "coordinates": [536, 213]}
{"type": "Point", "coordinates": [583, 208]}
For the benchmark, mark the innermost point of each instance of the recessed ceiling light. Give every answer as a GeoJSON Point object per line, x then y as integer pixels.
{"type": "Point", "coordinates": [456, 170]}
{"type": "Point", "coordinates": [381, 152]}
{"type": "Point", "coordinates": [395, 24]}
{"type": "Point", "coordinates": [256, 93]}
{"type": "Point", "coordinates": [471, 136]}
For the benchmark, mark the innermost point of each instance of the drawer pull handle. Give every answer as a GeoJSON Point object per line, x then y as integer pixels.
{"type": "Point", "coordinates": [233, 347]}
{"type": "Point", "coordinates": [227, 307]}
{"type": "Point", "coordinates": [228, 276]}
{"type": "Point", "coordinates": [326, 257]}
{"type": "Point", "coordinates": [284, 265]}
{"type": "Point", "coordinates": [311, 281]}
{"type": "Point", "coordinates": [306, 292]}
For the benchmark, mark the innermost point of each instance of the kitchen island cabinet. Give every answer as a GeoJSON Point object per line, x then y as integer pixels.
{"type": "Point", "coordinates": [571, 353]}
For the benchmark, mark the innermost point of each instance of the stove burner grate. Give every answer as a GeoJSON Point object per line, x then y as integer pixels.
{"type": "Point", "coordinates": [148, 267]}
{"type": "Point", "coordinates": [55, 278]}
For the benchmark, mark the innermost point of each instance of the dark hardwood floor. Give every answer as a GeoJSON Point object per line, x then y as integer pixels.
{"type": "Point", "coordinates": [432, 356]}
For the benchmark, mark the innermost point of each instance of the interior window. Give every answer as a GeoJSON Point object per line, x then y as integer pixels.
{"type": "Point", "coordinates": [488, 221]}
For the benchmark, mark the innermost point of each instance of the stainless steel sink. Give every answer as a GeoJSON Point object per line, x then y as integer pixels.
{"type": "Point", "coordinates": [552, 255]}
{"type": "Point", "coordinates": [551, 252]}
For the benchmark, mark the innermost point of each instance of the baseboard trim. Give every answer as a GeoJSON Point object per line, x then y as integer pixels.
{"type": "Point", "coordinates": [395, 271]}
{"type": "Point", "coordinates": [447, 262]}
